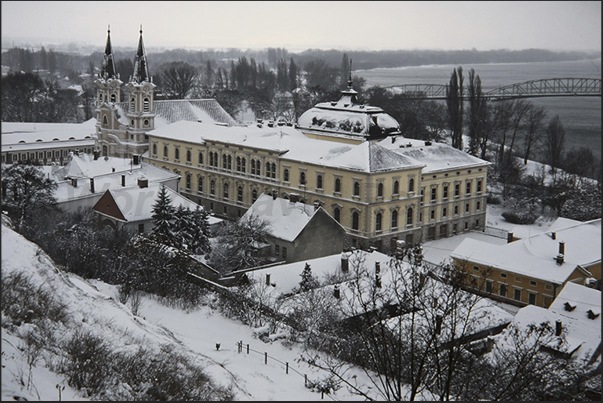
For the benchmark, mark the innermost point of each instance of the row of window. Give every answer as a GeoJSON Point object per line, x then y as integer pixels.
{"type": "Point", "coordinates": [41, 155]}
{"type": "Point", "coordinates": [457, 190]}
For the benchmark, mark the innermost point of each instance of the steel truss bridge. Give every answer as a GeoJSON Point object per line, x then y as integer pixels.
{"type": "Point", "coordinates": [550, 87]}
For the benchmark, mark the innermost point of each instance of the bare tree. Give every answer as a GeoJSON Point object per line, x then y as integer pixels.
{"type": "Point", "coordinates": [177, 79]}
{"type": "Point", "coordinates": [454, 102]}
{"type": "Point", "coordinates": [533, 131]}
{"type": "Point", "coordinates": [555, 144]}
{"type": "Point", "coordinates": [521, 109]}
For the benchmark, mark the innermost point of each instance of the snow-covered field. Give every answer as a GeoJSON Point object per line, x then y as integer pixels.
{"type": "Point", "coordinates": [93, 305]}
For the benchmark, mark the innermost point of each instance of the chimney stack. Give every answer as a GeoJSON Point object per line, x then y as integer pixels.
{"type": "Point", "coordinates": [123, 180]}
{"type": "Point", "coordinates": [135, 159]}
{"type": "Point", "coordinates": [143, 183]}
{"type": "Point", "coordinates": [95, 155]}
{"type": "Point", "coordinates": [509, 237]}
{"type": "Point", "coordinates": [274, 195]}
{"type": "Point", "coordinates": [558, 328]}
{"type": "Point", "coordinates": [561, 247]}
{"type": "Point", "coordinates": [554, 235]}
{"type": "Point", "coordinates": [336, 292]}
{"type": "Point", "coordinates": [561, 255]}
{"type": "Point", "coordinates": [91, 185]}
{"type": "Point", "coordinates": [267, 278]}
{"type": "Point", "coordinates": [344, 262]}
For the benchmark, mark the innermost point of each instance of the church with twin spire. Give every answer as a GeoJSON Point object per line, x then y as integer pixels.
{"type": "Point", "coordinates": [120, 131]}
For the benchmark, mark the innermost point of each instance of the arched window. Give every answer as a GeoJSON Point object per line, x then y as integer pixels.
{"type": "Point", "coordinates": [200, 184]}
{"type": "Point", "coordinates": [243, 165]}
{"type": "Point", "coordinates": [177, 153]}
{"type": "Point", "coordinates": [200, 158]}
{"type": "Point", "coordinates": [395, 219]}
{"type": "Point", "coordinates": [254, 195]}
{"type": "Point", "coordinates": [229, 162]}
{"type": "Point", "coordinates": [112, 97]}
{"type": "Point", "coordinates": [355, 219]}
{"type": "Point", "coordinates": [380, 190]}
{"type": "Point", "coordinates": [409, 216]}
{"type": "Point", "coordinates": [146, 104]}
{"type": "Point", "coordinates": [188, 155]}
{"type": "Point", "coordinates": [286, 175]}
{"type": "Point", "coordinates": [273, 174]}
{"type": "Point", "coordinates": [337, 214]}
{"type": "Point", "coordinates": [224, 161]}
{"type": "Point", "coordinates": [132, 104]}
{"type": "Point", "coordinates": [105, 121]}
{"type": "Point", "coordinates": [253, 167]}
{"type": "Point", "coordinates": [225, 190]}
{"type": "Point", "coordinates": [411, 185]}
{"type": "Point", "coordinates": [188, 181]}
{"type": "Point", "coordinates": [302, 178]}
{"type": "Point", "coordinates": [215, 159]}
{"type": "Point", "coordinates": [240, 193]}
{"type": "Point", "coordinates": [319, 182]}
{"type": "Point", "coordinates": [239, 164]}
{"type": "Point", "coordinates": [338, 185]}
{"type": "Point", "coordinates": [356, 189]}
{"type": "Point", "coordinates": [396, 187]}
{"type": "Point", "coordinates": [154, 149]}
{"type": "Point", "coordinates": [212, 187]}
{"type": "Point", "coordinates": [378, 218]}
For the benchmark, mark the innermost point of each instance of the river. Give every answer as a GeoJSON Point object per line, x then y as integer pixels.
{"type": "Point", "coordinates": [580, 116]}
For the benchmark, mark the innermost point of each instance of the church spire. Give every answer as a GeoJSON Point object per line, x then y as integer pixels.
{"type": "Point", "coordinates": [108, 69]}
{"type": "Point", "coordinates": [350, 77]}
{"type": "Point", "coordinates": [141, 70]}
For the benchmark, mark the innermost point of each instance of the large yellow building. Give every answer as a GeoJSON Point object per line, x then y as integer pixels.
{"type": "Point", "coordinates": [345, 156]}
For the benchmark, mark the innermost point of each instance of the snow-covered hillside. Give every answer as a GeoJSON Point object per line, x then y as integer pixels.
{"type": "Point", "coordinates": [93, 306]}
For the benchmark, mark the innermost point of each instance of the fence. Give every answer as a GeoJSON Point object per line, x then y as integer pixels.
{"type": "Point", "coordinates": [244, 348]}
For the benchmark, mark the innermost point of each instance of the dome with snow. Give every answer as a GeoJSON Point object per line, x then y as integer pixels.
{"type": "Point", "coordinates": [348, 118]}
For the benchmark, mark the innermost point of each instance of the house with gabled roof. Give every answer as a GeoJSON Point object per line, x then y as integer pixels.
{"type": "Point", "coordinates": [297, 231]}
{"type": "Point", "coordinates": [533, 270]}
{"type": "Point", "coordinates": [575, 317]}
{"type": "Point", "coordinates": [131, 208]}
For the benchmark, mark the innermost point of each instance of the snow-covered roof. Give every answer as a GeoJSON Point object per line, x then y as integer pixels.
{"type": "Point", "coordinates": [104, 181]}
{"type": "Point", "coordinates": [136, 204]}
{"type": "Point", "coordinates": [348, 117]}
{"type": "Point", "coordinates": [535, 256]}
{"type": "Point", "coordinates": [192, 110]}
{"type": "Point", "coordinates": [292, 145]}
{"type": "Point", "coordinates": [85, 166]}
{"type": "Point", "coordinates": [435, 156]}
{"type": "Point", "coordinates": [287, 220]}
{"type": "Point", "coordinates": [19, 134]}
{"type": "Point", "coordinates": [579, 329]}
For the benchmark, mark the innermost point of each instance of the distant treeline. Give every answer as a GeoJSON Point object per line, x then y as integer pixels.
{"type": "Point", "coordinates": [27, 60]}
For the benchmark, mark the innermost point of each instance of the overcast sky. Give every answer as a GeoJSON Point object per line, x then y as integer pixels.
{"type": "Point", "coordinates": [343, 25]}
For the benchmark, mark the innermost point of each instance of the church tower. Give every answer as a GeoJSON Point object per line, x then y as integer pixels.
{"type": "Point", "coordinates": [140, 94]}
{"type": "Point", "coordinates": [121, 126]}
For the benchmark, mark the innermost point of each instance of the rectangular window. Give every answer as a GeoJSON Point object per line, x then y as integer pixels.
{"type": "Point", "coordinates": [517, 294]}
{"type": "Point", "coordinates": [277, 250]}
{"type": "Point", "coordinates": [518, 279]}
{"type": "Point", "coordinates": [533, 283]}
{"type": "Point", "coordinates": [479, 186]}
{"type": "Point", "coordinates": [468, 188]}
{"type": "Point", "coordinates": [140, 228]}
{"type": "Point", "coordinates": [433, 194]}
{"type": "Point", "coordinates": [284, 252]}
{"type": "Point", "coordinates": [503, 290]}
{"type": "Point", "coordinates": [531, 298]}
{"type": "Point", "coordinates": [476, 268]}
{"type": "Point", "coordinates": [444, 212]}
{"type": "Point", "coordinates": [457, 189]}
{"type": "Point", "coordinates": [503, 275]}
{"type": "Point", "coordinates": [445, 192]}
{"type": "Point", "coordinates": [489, 286]}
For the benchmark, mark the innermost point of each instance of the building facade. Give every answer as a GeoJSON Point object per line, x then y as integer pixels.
{"type": "Point", "coordinates": [344, 156]}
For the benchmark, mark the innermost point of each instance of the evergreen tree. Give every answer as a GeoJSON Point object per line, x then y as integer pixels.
{"type": "Point", "coordinates": [454, 101]}
{"type": "Point", "coordinates": [163, 215]}
{"type": "Point", "coordinates": [308, 280]}
{"type": "Point", "coordinates": [293, 73]}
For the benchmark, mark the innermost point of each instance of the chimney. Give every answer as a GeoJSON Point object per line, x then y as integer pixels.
{"type": "Point", "coordinates": [509, 237]}
{"type": "Point", "coordinates": [135, 159]}
{"type": "Point", "coordinates": [91, 185]}
{"type": "Point", "coordinates": [267, 278]}
{"type": "Point", "coordinates": [95, 155]}
{"type": "Point", "coordinates": [344, 262]}
{"type": "Point", "coordinates": [123, 180]}
{"type": "Point", "coordinates": [74, 182]}
{"type": "Point", "coordinates": [560, 258]}
{"type": "Point", "coordinates": [274, 195]}
{"type": "Point", "coordinates": [377, 267]}
{"type": "Point", "coordinates": [336, 292]}
{"type": "Point", "coordinates": [143, 183]}
{"type": "Point", "coordinates": [554, 235]}
{"type": "Point", "coordinates": [558, 328]}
